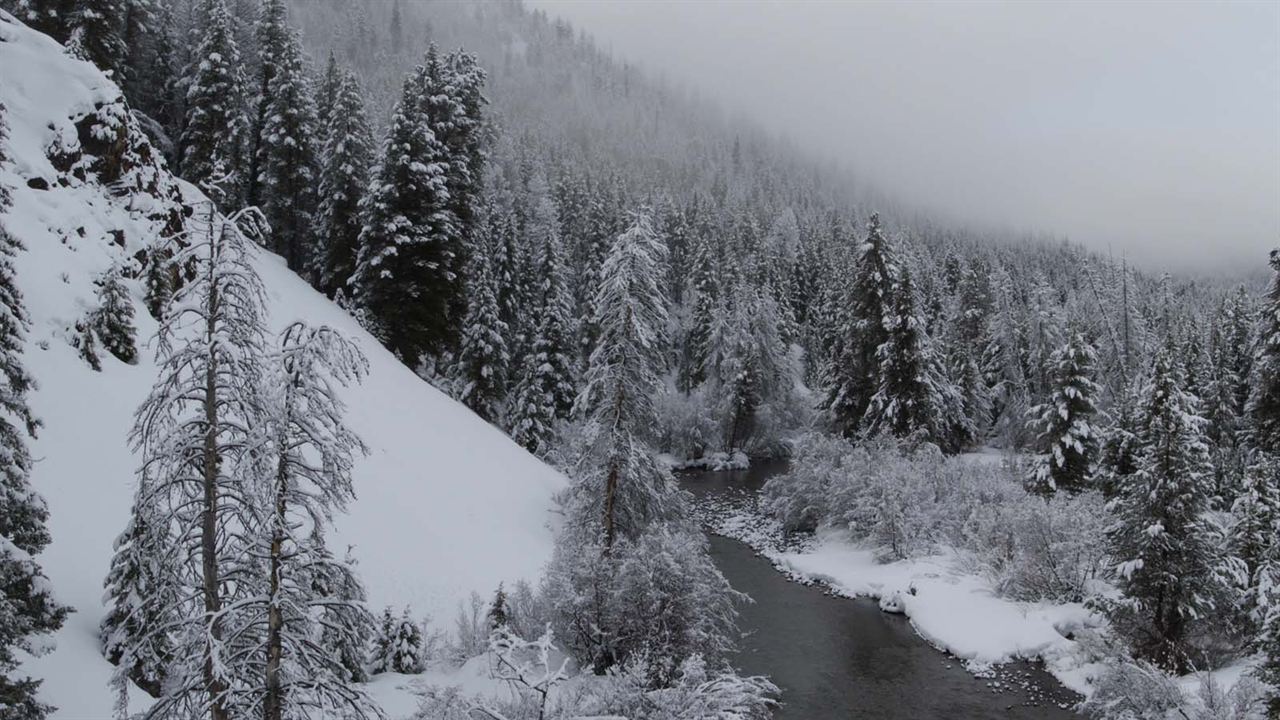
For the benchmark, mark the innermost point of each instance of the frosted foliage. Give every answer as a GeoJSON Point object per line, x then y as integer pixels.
{"type": "Point", "coordinates": [621, 489]}
{"type": "Point", "coordinates": [658, 600]}
{"type": "Point", "coordinates": [1140, 691]}
{"type": "Point", "coordinates": [204, 406]}
{"type": "Point", "coordinates": [915, 502]}
{"type": "Point", "coordinates": [1065, 433]}
{"type": "Point", "coordinates": [699, 691]}
{"type": "Point", "coordinates": [1166, 556]}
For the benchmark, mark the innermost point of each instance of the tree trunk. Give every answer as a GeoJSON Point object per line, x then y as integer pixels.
{"type": "Point", "coordinates": [610, 494]}
{"type": "Point", "coordinates": [611, 480]}
{"type": "Point", "coordinates": [214, 684]}
{"type": "Point", "coordinates": [273, 704]}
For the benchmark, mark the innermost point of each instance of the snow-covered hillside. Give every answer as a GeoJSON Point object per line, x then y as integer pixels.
{"type": "Point", "coordinates": [446, 504]}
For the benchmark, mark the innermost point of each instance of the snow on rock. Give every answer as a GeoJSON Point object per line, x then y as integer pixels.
{"type": "Point", "coordinates": [954, 611]}
{"type": "Point", "coordinates": [892, 603]}
{"type": "Point", "coordinates": [446, 504]}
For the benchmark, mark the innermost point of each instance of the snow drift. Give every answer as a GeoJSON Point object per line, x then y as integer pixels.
{"type": "Point", "coordinates": [446, 503]}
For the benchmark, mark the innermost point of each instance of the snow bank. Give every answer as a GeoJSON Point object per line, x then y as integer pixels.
{"type": "Point", "coordinates": [447, 504]}
{"type": "Point", "coordinates": [954, 611]}
{"type": "Point", "coordinates": [715, 462]}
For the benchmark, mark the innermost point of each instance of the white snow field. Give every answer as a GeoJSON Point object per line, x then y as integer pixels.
{"type": "Point", "coordinates": [447, 504]}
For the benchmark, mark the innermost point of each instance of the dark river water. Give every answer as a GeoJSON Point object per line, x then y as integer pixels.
{"type": "Point", "coordinates": [839, 658]}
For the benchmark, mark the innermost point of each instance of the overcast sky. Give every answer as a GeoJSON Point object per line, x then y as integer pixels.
{"type": "Point", "coordinates": [1149, 128]}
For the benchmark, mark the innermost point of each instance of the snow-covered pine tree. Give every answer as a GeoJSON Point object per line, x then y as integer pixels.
{"type": "Point", "coordinates": [620, 487]}
{"type": "Point", "coordinates": [193, 434]}
{"type": "Point", "coordinates": [1269, 669]}
{"type": "Point", "coordinates": [827, 335]}
{"type": "Point", "coordinates": [975, 395]}
{"type": "Point", "coordinates": [137, 633]}
{"type": "Point", "coordinates": [112, 319]}
{"type": "Point", "coordinates": [1004, 368]}
{"type": "Point", "coordinates": [1237, 325]}
{"type": "Point", "coordinates": [158, 282]}
{"type": "Point", "coordinates": [1264, 397]}
{"type": "Point", "coordinates": [747, 367]}
{"type": "Point", "coordinates": [1118, 453]}
{"type": "Point", "coordinates": [1043, 336]}
{"type": "Point", "coordinates": [553, 341]}
{"type": "Point", "coordinates": [1224, 426]}
{"type": "Point", "coordinates": [287, 164]}
{"type": "Point", "coordinates": [853, 368]}
{"type": "Point", "coordinates": [378, 660]}
{"type": "Point", "coordinates": [743, 398]}
{"type": "Point", "coordinates": [344, 179]}
{"type": "Point", "coordinates": [28, 610]}
{"type": "Point", "coordinates": [97, 28]}
{"type": "Point", "coordinates": [51, 17]}
{"type": "Point", "coordinates": [508, 276]}
{"type": "Point", "coordinates": [1166, 559]}
{"type": "Point", "coordinates": [483, 361]}
{"type": "Point", "coordinates": [327, 94]}
{"type": "Point", "coordinates": [85, 341]}
{"type": "Point", "coordinates": [395, 29]}
{"type": "Point", "coordinates": [213, 137]}
{"type": "Point", "coordinates": [346, 624]}
{"type": "Point", "coordinates": [605, 219]}
{"type": "Point", "coordinates": [143, 30]}
{"type": "Point", "coordinates": [544, 392]}
{"type": "Point", "coordinates": [968, 318]}
{"type": "Point", "coordinates": [1255, 534]}
{"type": "Point", "coordinates": [976, 304]}
{"type": "Point", "coordinates": [398, 646]}
{"type": "Point", "coordinates": [1064, 426]}
{"type": "Point", "coordinates": [631, 576]}
{"type": "Point", "coordinates": [453, 105]}
{"type": "Point", "coordinates": [572, 207]}
{"type": "Point", "coordinates": [913, 395]}
{"type": "Point", "coordinates": [497, 613]}
{"type": "Point", "coordinates": [306, 463]}
{"type": "Point", "coordinates": [270, 35]}
{"type": "Point", "coordinates": [403, 261]}
{"type": "Point", "coordinates": [705, 298]}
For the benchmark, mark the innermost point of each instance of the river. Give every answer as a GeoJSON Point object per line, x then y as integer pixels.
{"type": "Point", "coordinates": [836, 658]}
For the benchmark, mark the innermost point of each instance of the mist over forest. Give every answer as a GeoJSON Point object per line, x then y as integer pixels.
{"type": "Point", "coordinates": [444, 360]}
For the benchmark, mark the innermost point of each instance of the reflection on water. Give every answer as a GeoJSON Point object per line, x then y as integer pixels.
{"type": "Point", "coordinates": [839, 658]}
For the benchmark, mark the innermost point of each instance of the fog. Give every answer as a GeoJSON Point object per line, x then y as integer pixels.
{"type": "Point", "coordinates": [1150, 130]}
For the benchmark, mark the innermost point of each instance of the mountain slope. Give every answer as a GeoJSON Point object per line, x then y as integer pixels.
{"type": "Point", "coordinates": [446, 504]}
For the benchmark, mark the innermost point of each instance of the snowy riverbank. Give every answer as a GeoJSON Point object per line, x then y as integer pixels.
{"type": "Point", "coordinates": [949, 604]}
{"type": "Point", "coordinates": [956, 611]}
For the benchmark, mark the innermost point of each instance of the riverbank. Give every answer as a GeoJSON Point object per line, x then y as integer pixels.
{"type": "Point", "coordinates": [833, 655]}
{"type": "Point", "coordinates": [953, 611]}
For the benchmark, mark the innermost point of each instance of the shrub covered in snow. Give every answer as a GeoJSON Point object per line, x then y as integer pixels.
{"type": "Point", "coordinates": [711, 419]}
{"type": "Point", "coordinates": [913, 501]}
{"type": "Point", "coordinates": [1246, 700]}
{"type": "Point", "coordinates": [1034, 549]}
{"type": "Point", "coordinates": [697, 691]}
{"type": "Point", "coordinates": [801, 499]}
{"type": "Point", "coordinates": [1133, 691]}
{"type": "Point", "coordinates": [471, 629]}
{"type": "Point", "coordinates": [687, 423]}
{"type": "Point", "coordinates": [541, 689]}
{"type": "Point", "coordinates": [659, 597]}
{"type": "Point", "coordinates": [910, 500]}
{"type": "Point", "coordinates": [1141, 691]}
